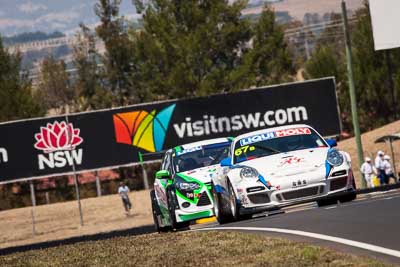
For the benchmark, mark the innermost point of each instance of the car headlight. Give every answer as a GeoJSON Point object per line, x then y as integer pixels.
{"type": "Point", "coordinates": [248, 172]}
{"type": "Point", "coordinates": [334, 157]}
{"type": "Point", "coordinates": [186, 186]}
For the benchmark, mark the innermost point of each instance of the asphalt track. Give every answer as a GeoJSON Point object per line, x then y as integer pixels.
{"type": "Point", "coordinates": [373, 220]}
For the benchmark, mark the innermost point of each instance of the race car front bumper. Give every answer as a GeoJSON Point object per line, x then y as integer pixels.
{"type": "Point", "coordinates": [182, 216]}
{"type": "Point", "coordinates": [267, 200]}
{"type": "Point", "coordinates": [189, 211]}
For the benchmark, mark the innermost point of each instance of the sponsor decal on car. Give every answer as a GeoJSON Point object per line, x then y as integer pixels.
{"type": "Point", "coordinates": [257, 138]}
{"type": "Point", "coordinates": [276, 134]}
{"type": "Point", "coordinates": [193, 195]}
{"type": "Point", "coordinates": [291, 160]}
{"type": "Point", "coordinates": [294, 131]}
{"type": "Point", "coordinates": [188, 150]}
{"type": "Point", "coordinates": [299, 183]}
{"type": "Point", "coordinates": [3, 155]}
{"type": "Point", "coordinates": [143, 129]}
{"type": "Point", "coordinates": [58, 142]}
{"type": "Point", "coordinates": [243, 200]}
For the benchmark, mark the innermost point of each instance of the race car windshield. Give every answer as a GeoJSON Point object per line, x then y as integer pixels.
{"type": "Point", "coordinates": [271, 143]}
{"type": "Point", "coordinates": [201, 156]}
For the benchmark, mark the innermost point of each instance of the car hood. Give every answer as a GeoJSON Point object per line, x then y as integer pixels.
{"type": "Point", "coordinates": [203, 174]}
{"type": "Point", "coordinates": [290, 163]}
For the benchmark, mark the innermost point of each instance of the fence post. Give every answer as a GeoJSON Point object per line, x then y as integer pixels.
{"type": "Point", "coordinates": [78, 198]}
{"type": "Point", "coordinates": [98, 185]}
{"type": "Point", "coordinates": [144, 173]}
{"type": "Point", "coordinates": [33, 198]}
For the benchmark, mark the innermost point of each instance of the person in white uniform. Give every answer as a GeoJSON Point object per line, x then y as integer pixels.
{"type": "Point", "coordinates": [380, 168]}
{"type": "Point", "coordinates": [367, 169]}
{"type": "Point", "coordinates": [388, 169]}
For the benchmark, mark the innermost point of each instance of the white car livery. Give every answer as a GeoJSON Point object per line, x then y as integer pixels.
{"type": "Point", "coordinates": [182, 189]}
{"type": "Point", "coordinates": [277, 167]}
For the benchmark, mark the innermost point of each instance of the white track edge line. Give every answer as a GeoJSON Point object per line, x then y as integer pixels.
{"type": "Point", "coordinates": [387, 251]}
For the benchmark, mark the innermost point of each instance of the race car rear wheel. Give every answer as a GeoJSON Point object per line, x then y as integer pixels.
{"type": "Point", "coordinates": [219, 209]}
{"type": "Point", "coordinates": [171, 208]}
{"type": "Point", "coordinates": [348, 198]}
{"type": "Point", "coordinates": [326, 202]}
{"type": "Point", "coordinates": [156, 212]}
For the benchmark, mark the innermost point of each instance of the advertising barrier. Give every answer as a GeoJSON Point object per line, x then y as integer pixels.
{"type": "Point", "coordinates": [109, 138]}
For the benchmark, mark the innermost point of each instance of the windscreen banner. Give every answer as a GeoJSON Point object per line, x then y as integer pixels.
{"type": "Point", "coordinates": [51, 146]}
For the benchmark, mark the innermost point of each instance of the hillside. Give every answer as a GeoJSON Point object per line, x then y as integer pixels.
{"type": "Point", "coordinates": [370, 148]}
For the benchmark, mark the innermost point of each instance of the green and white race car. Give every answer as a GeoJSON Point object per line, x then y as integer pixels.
{"type": "Point", "coordinates": [182, 188]}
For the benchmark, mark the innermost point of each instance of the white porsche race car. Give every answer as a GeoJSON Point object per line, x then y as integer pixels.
{"type": "Point", "coordinates": [277, 167]}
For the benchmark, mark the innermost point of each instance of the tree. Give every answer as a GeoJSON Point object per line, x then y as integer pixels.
{"type": "Point", "coordinates": [88, 87]}
{"type": "Point", "coordinates": [117, 59]}
{"type": "Point", "coordinates": [195, 48]}
{"type": "Point", "coordinates": [54, 86]}
{"type": "Point", "coordinates": [326, 63]}
{"type": "Point", "coordinates": [17, 100]}
{"type": "Point", "coordinates": [269, 57]}
{"type": "Point", "coordinates": [370, 72]}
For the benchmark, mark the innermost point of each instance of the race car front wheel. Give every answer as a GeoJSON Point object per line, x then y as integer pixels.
{"type": "Point", "coordinates": [219, 209]}
{"type": "Point", "coordinates": [234, 207]}
{"type": "Point", "coordinates": [171, 208]}
{"type": "Point", "coordinates": [156, 212]}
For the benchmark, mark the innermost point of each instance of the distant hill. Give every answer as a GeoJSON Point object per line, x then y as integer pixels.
{"type": "Point", "coordinates": [18, 16]}
{"type": "Point", "coordinates": [30, 37]}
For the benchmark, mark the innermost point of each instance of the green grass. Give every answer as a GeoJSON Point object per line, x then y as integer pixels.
{"type": "Point", "coordinates": [188, 249]}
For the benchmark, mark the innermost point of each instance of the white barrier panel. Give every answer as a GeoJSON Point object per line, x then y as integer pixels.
{"type": "Point", "coordinates": [385, 23]}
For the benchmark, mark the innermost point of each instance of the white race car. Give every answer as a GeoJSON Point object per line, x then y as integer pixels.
{"type": "Point", "coordinates": [277, 167]}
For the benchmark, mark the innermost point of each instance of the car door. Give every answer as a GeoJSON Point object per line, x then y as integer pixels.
{"type": "Point", "coordinates": [160, 185]}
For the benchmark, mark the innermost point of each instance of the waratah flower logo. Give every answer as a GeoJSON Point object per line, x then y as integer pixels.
{"type": "Point", "coordinates": [57, 136]}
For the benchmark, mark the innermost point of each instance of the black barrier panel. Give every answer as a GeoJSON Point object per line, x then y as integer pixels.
{"type": "Point", "coordinates": [106, 138]}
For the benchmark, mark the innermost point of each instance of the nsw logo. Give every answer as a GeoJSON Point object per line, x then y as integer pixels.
{"type": "Point", "coordinates": [3, 155]}
{"type": "Point", "coordinates": [143, 129]}
{"type": "Point", "coordinates": [58, 142]}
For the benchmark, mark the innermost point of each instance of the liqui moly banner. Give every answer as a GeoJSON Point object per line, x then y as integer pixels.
{"type": "Point", "coordinates": [109, 138]}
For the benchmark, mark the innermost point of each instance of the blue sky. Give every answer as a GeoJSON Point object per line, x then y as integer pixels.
{"type": "Point", "coordinates": [18, 16]}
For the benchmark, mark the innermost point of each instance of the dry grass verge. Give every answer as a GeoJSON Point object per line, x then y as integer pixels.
{"type": "Point", "coordinates": [61, 220]}
{"type": "Point", "coordinates": [187, 249]}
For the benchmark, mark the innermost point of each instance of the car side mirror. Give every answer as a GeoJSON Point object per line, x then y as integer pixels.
{"type": "Point", "coordinates": [163, 174]}
{"type": "Point", "coordinates": [331, 142]}
{"type": "Point", "coordinates": [226, 162]}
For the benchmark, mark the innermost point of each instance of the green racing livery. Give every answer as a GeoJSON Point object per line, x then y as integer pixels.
{"type": "Point", "coordinates": [183, 187]}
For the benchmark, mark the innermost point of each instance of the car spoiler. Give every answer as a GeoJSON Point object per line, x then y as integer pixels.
{"type": "Point", "coordinates": [151, 156]}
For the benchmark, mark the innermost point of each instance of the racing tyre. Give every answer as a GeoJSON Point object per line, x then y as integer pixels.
{"type": "Point", "coordinates": [348, 198]}
{"type": "Point", "coordinates": [234, 206]}
{"type": "Point", "coordinates": [156, 212]}
{"type": "Point", "coordinates": [219, 209]}
{"type": "Point", "coordinates": [326, 202]}
{"type": "Point", "coordinates": [171, 208]}
{"type": "Point", "coordinates": [351, 196]}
